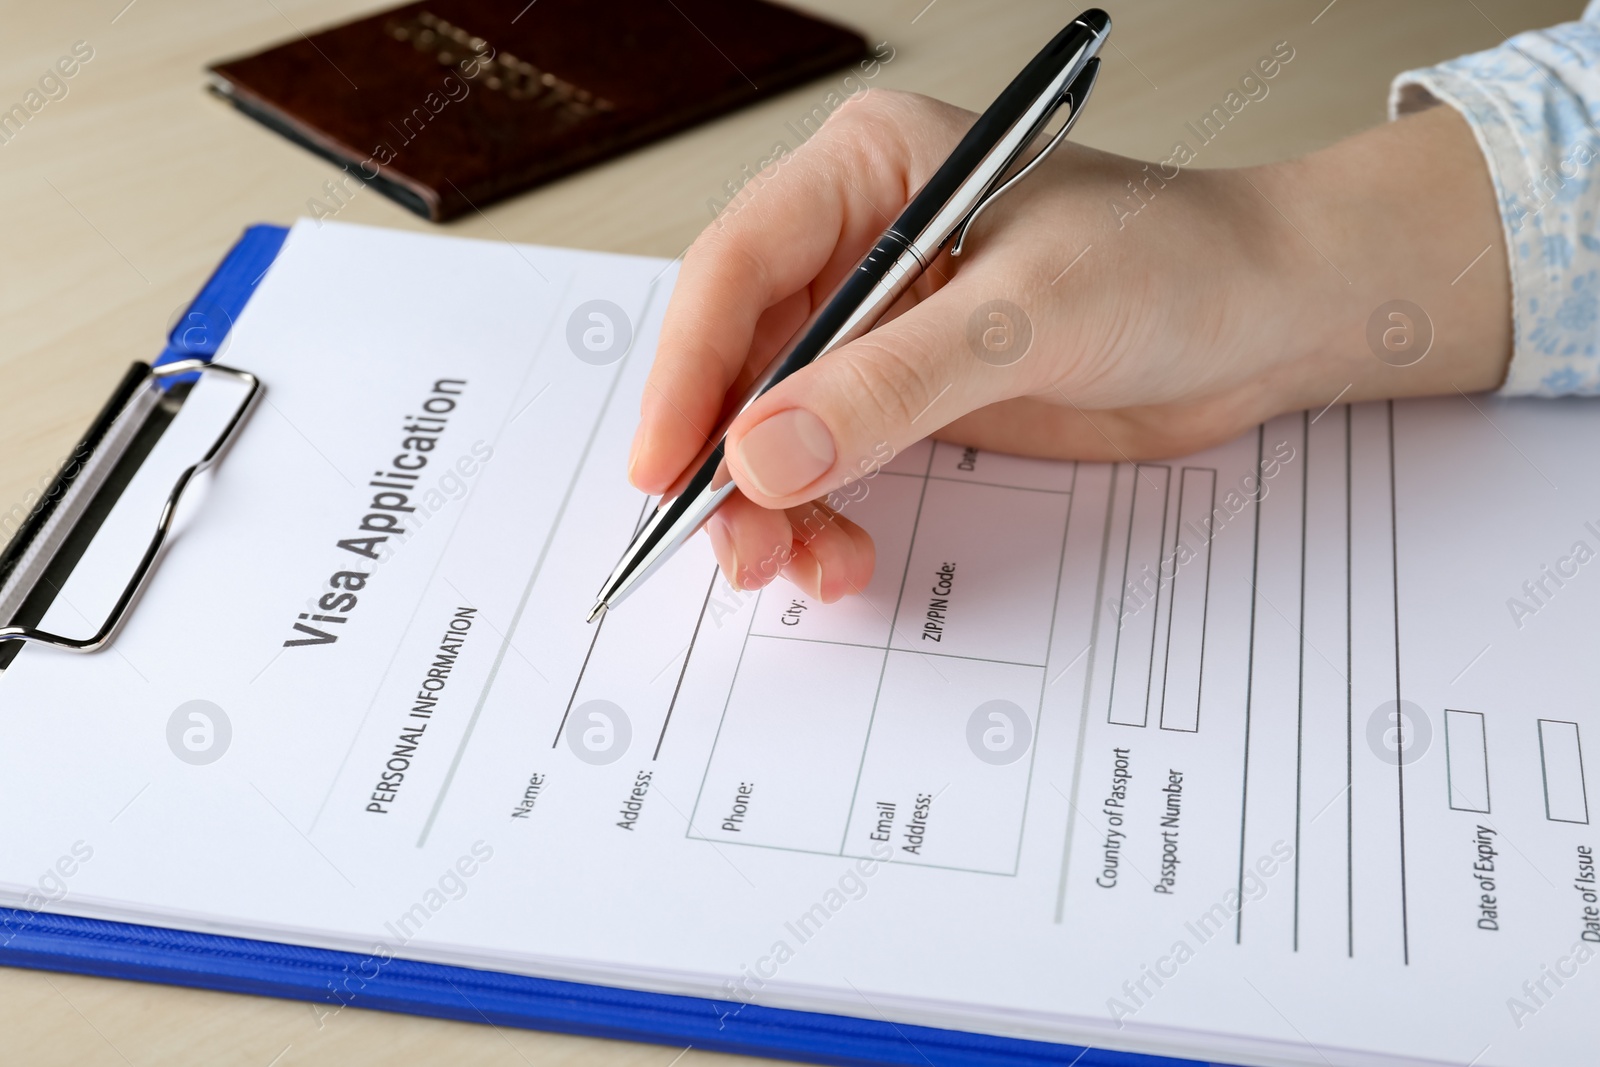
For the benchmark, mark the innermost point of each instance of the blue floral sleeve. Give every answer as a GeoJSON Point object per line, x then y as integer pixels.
{"type": "Point", "coordinates": [1533, 104]}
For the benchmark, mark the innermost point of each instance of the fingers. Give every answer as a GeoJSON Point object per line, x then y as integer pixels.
{"type": "Point", "coordinates": [751, 543]}
{"type": "Point", "coordinates": [823, 553]}
{"type": "Point", "coordinates": [853, 409]}
{"type": "Point", "coordinates": [753, 275]}
{"type": "Point", "coordinates": [834, 561]}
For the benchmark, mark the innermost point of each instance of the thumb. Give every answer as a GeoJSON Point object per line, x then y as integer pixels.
{"type": "Point", "coordinates": [849, 412]}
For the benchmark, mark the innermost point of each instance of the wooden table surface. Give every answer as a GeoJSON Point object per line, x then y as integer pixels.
{"type": "Point", "coordinates": [117, 200]}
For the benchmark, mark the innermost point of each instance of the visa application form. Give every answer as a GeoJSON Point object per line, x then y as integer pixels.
{"type": "Point", "coordinates": [1273, 754]}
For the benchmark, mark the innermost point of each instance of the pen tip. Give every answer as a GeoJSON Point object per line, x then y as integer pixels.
{"type": "Point", "coordinates": [599, 610]}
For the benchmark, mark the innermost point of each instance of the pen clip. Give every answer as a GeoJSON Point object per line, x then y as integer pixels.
{"type": "Point", "coordinates": [1074, 96]}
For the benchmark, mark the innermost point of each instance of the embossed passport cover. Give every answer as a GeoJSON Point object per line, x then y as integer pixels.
{"type": "Point", "coordinates": [449, 105]}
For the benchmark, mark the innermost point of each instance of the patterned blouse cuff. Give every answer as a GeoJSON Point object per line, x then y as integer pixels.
{"type": "Point", "coordinates": [1554, 337]}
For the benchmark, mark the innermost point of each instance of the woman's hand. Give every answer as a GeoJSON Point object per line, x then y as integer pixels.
{"type": "Point", "coordinates": [1142, 311]}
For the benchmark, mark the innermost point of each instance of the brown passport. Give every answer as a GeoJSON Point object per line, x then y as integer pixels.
{"type": "Point", "coordinates": [449, 105]}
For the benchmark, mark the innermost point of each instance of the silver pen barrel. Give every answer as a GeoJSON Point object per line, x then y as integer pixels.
{"type": "Point", "coordinates": [889, 269]}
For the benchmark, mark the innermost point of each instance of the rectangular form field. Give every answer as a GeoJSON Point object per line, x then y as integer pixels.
{"type": "Point", "coordinates": [982, 577]}
{"type": "Point", "coordinates": [944, 780]}
{"type": "Point", "coordinates": [1467, 760]}
{"type": "Point", "coordinates": [1566, 798]}
{"type": "Point", "coordinates": [789, 746]}
{"type": "Point", "coordinates": [1139, 595]}
{"type": "Point", "coordinates": [995, 468]}
{"type": "Point", "coordinates": [1190, 589]}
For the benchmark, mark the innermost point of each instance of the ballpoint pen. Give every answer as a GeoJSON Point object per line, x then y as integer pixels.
{"type": "Point", "coordinates": [969, 180]}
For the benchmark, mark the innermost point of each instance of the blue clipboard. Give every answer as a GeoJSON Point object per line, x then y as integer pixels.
{"type": "Point", "coordinates": [45, 941]}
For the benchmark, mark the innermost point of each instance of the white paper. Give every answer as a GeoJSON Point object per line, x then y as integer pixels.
{"type": "Point", "coordinates": [941, 802]}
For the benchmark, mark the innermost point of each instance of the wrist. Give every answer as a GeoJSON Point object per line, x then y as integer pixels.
{"type": "Point", "coordinates": [1391, 263]}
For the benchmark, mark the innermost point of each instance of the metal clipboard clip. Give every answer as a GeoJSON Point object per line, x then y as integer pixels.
{"type": "Point", "coordinates": [60, 526]}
